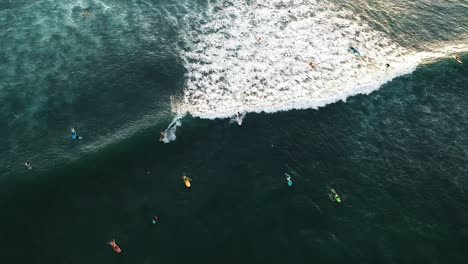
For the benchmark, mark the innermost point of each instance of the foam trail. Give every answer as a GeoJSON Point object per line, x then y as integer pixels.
{"type": "Point", "coordinates": [170, 132]}
{"type": "Point", "coordinates": [254, 56]}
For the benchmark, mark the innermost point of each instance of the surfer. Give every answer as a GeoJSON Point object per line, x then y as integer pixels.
{"type": "Point", "coordinates": [85, 13]}
{"type": "Point", "coordinates": [155, 219]}
{"type": "Point", "coordinates": [457, 58]}
{"type": "Point", "coordinates": [28, 165]}
{"type": "Point", "coordinates": [239, 117]}
{"type": "Point", "coordinates": [162, 136]}
{"type": "Point", "coordinates": [258, 39]}
{"type": "Point", "coordinates": [335, 196]}
{"type": "Point", "coordinates": [288, 178]}
{"type": "Point", "coordinates": [74, 135]}
{"type": "Point", "coordinates": [187, 181]}
{"type": "Point", "coordinates": [114, 246]}
{"type": "Point", "coordinates": [311, 64]}
{"type": "Point", "coordinates": [387, 65]}
{"type": "Point", "coordinates": [353, 49]}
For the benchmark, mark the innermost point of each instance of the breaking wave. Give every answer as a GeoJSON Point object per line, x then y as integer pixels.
{"type": "Point", "coordinates": [255, 56]}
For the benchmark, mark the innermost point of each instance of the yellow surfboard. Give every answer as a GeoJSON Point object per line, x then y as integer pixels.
{"type": "Point", "coordinates": [187, 181]}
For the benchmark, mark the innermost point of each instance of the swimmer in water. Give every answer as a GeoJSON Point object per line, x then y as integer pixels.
{"type": "Point", "coordinates": [85, 13]}
{"type": "Point", "coordinates": [258, 39]}
{"type": "Point", "coordinates": [28, 165]}
{"type": "Point", "coordinates": [387, 65]}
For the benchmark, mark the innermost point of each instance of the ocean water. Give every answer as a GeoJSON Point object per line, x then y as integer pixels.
{"type": "Point", "coordinates": [392, 141]}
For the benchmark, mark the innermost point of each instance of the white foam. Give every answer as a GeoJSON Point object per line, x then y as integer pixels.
{"type": "Point", "coordinates": [170, 132]}
{"type": "Point", "coordinates": [253, 56]}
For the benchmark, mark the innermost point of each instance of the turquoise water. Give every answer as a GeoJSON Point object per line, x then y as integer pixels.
{"type": "Point", "coordinates": [396, 156]}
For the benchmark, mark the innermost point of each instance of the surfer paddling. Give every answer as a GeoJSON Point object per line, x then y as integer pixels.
{"type": "Point", "coordinates": [114, 246]}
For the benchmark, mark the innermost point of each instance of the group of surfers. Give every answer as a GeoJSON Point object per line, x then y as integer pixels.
{"type": "Point", "coordinates": [187, 181]}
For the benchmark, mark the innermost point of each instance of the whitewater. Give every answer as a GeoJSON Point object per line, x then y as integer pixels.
{"type": "Point", "coordinates": [255, 56]}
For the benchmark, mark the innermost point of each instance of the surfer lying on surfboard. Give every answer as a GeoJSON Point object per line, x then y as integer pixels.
{"type": "Point", "coordinates": [335, 196]}
{"type": "Point", "coordinates": [114, 246]}
{"type": "Point", "coordinates": [187, 181]}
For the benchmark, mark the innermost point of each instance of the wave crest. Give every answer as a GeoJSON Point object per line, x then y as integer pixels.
{"type": "Point", "coordinates": [254, 56]}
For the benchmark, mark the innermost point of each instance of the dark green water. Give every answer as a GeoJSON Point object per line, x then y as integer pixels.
{"type": "Point", "coordinates": [397, 157]}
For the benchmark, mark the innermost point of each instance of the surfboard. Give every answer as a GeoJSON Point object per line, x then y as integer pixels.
{"type": "Point", "coordinates": [457, 59]}
{"type": "Point", "coordinates": [187, 181]}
